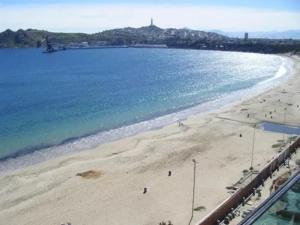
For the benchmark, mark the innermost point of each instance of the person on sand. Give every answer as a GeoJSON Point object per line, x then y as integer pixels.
{"type": "Point", "coordinates": [180, 124]}
{"type": "Point", "coordinates": [145, 190]}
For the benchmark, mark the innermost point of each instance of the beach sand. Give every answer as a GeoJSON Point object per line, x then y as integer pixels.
{"type": "Point", "coordinates": [105, 185]}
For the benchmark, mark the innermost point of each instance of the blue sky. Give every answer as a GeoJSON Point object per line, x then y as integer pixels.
{"type": "Point", "coordinates": [292, 5]}
{"type": "Point", "coordinates": [92, 16]}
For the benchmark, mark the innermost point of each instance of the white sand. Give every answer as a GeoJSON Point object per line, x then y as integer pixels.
{"type": "Point", "coordinates": [50, 193]}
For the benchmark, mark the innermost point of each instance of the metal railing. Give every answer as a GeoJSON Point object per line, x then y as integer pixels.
{"type": "Point", "coordinates": [253, 216]}
{"type": "Point", "coordinates": [239, 197]}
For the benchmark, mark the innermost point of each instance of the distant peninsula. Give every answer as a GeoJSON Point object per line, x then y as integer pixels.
{"type": "Point", "coordinates": [146, 36]}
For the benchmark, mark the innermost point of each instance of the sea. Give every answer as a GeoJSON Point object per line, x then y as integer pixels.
{"type": "Point", "coordinates": [73, 100]}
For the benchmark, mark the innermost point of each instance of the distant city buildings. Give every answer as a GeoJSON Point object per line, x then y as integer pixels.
{"type": "Point", "coordinates": [246, 36]}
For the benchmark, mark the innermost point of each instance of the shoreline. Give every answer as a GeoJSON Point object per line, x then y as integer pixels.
{"type": "Point", "coordinates": [38, 154]}
{"type": "Point", "coordinates": [105, 185]}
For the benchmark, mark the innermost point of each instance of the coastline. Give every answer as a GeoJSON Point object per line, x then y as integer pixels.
{"type": "Point", "coordinates": [48, 192]}
{"type": "Point", "coordinates": [28, 157]}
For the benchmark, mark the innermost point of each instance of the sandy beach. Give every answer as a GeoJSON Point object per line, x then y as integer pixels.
{"type": "Point", "coordinates": [105, 185]}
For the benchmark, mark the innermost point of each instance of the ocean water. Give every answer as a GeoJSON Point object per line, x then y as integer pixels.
{"type": "Point", "coordinates": [51, 104]}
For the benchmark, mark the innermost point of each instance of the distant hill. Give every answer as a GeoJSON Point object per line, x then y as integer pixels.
{"type": "Point", "coordinates": [155, 35]}
{"type": "Point", "coordinates": [148, 36]}
{"type": "Point", "coordinates": [124, 36]}
{"type": "Point", "coordinates": [35, 38]}
{"type": "Point", "coordinates": [289, 34]}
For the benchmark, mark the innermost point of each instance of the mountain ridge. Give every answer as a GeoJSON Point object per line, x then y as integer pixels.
{"type": "Point", "coordinates": [119, 36]}
{"type": "Point", "coordinates": [147, 36]}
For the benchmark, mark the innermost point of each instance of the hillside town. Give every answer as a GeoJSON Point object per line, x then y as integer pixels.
{"type": "Point", "coordinates": [147, 36]}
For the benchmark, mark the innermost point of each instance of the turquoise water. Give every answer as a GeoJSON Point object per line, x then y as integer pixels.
{"type": "Point", "coordinates": [52, 99]}
{"type": "Point", "coordinates": [285, 211]}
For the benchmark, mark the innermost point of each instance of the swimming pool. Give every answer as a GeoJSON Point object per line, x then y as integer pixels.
{"type": "Point", "coordinates": [280, 128]}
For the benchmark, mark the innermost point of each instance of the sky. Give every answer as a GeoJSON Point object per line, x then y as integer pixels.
{"type": "Point", "coordinates": [92, 16]}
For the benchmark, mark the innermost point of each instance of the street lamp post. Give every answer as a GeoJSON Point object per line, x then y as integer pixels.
{"type": "Point", "coordinates": [194, 184]}
{"type": "Point", "coordinates": [253, 145]}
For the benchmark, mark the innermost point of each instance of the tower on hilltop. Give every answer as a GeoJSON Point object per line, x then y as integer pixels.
{"type": "Point", "coordinates": [151, 24]}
